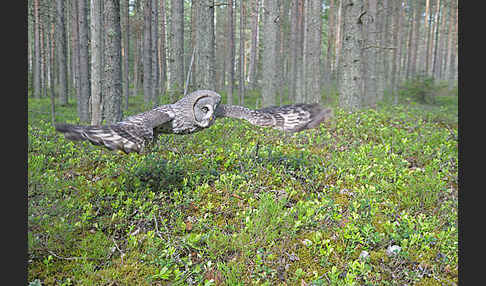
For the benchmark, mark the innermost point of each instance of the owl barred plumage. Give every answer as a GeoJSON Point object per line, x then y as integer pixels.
{"type": "Point", "coordinates": [190, 114]}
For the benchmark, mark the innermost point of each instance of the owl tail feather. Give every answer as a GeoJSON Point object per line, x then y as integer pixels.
{"type": "Point", "coordinates": [109, 136]}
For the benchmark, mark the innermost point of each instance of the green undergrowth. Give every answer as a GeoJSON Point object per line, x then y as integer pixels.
{"type": "Point", "coordinates": [242, 205]}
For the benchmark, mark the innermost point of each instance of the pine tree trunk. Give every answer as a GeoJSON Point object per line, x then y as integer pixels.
{"type": "Point", "coordinates": [126, 52]}
{"type": "Point", "coordinates": [313, 52]}
{"type": "Point", "coordinates": [452, 62]}
{"type": "Point", "coordinates": [37, 54]}
{"type": "Point", "coordinates": [85, 93]}
{"type": "Point", "coordinates": [147, 52]}
{"type": "Point", "coordinates": [416, 41]}
{"type": "Point", "coordinates": [241, 85]}
{"type": "Point", "coordinates": [231, 52]}
{"type": "Point", "coordinates": [395, 34]}
{"type": "Point", "coordinates": [254, 45]}
{"type": "Point", "coordinates": [75, 50]}
{"type": "Point", "coordinates": [138, 48]}
{"type": "Point", "coordinates": [330, 42]}
{"type": "Point", "coordinates": [220, 47]}
{"type": "Point", "coordinates": [436, 40]}
{"type": "Point", "coordinates": [204, 44]}
{"type": "Point", "coordinates": [270, 30]}
{"type": "Point", "coordinates": [163, 46]}
{"type": "Point", "coordinates": [411, 25]}
{"type": "Point", "coordinates": [113, 65]}
{"type": "Point", "coordinates": [51, 47]}
{"type": "Point", "coordinates": [425, 57]}
{"type": "Point", "coordinates": [299, 73]}
{"type": "Point", "coordinates": [350, 80]}
{"type": "Point", "coordinates": [176, 65]}
{"type": "Point", "coordinates": [371, 53]}
{"type": "Point", "coordinates": [61, 52]}
{"type": "Point", "coordinates": [155, 57]}
{"type": "Point", "coordinates": [96, 61]}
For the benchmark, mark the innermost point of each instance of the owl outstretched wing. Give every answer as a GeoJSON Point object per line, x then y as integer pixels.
{"type": "Point", "coordinates": [129, 135]}
{"type": "Point", "coordinates": [290, 118]}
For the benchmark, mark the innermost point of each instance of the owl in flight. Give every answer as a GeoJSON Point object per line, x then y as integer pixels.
{"type": "Point", "coordinates": [192, 113]}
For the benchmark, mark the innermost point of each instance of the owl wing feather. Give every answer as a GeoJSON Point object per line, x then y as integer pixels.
{"type": "Point", "coordinates": [129, 135]}
{"type": "Point", "coordinates": [290, 118]}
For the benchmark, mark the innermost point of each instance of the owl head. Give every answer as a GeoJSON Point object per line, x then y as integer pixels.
{"type": "Point", "coordinates": [198, 108]}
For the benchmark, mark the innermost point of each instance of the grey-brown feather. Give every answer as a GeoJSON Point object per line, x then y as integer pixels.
{"type": "Point", "coordinates": [290, 118]}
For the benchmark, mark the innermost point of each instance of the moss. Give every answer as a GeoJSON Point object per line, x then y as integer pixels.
{"type": "Point", "coordinates": [250, 211]}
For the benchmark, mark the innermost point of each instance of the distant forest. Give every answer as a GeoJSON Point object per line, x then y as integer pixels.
{"type": "Point", "coordinates": [99, 53]}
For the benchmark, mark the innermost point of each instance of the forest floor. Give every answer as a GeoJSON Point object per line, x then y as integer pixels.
{"type": "Point", "coordinates": [241, 205]}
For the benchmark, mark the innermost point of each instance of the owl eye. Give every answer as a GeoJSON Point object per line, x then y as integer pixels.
{"type": "Point", "coordinates": [205, 109]}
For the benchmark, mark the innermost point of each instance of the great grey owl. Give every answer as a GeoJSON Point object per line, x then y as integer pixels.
{"type": "Point", "coordinates": [190, 114]}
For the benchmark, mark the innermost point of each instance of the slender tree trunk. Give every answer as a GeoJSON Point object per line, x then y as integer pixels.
{"type": "Point", "coordinates": [330, 41]}
{"type": "Point", "coordinates": [371, 53]}
{"type": "Point", "coordinates": [220, 31]}
{"type": "Point", "coordinates": [449, 40]}
{"type": "Point", "coordinates": [147, 52]}
{"type": "Point", "coordinates": [241, 85]}
{"type": "Point", "coordinates": [75, 51]}
{"type": "Point", "coordinates": [43, 43]}
{"type": "Point", "coordinates": [231, 53]}
{"type": "Point", "coordinates": [61, 52]}
{"type": "Point", "coordinates": [204, 44]}
{"type": "Point", "coordinates": [411, 25]}
{"type": "Point", "coordinates": [37, 54]}
{"type": "Point", "coordinates": [350, 79]}
{"type": "Point", "coordinates": [425, 58]}
{"type": "Point", "coordinates": [442, 44]}
{"type": "Point", "coordinates": [138, 47]}
{"type": "Point", "coordinates": [254, 44]}
{"type": "Point", "coordinates": [270, 30]}
{"type": "Point", "coordinates": [436, 40]}
{"type": "Point", "coordinates": [96, 61]}
{"type": "Point", "coordinates": [85, 93]}
{"type": "Point", "coordinates": [163, 46]}
{"type": "Point", "coordinates": [126, 51]}
{"type": "Point", "coordinates": [176, 65]}
{"type": "Point", "coordinates": [155, 57]}
{"type": "Point", "coordinates": [452, 62]}
{"type": "Point", "coordinates": [51, 44]}
{"type": "Point", "coordinates": [395, 34]}
{"type": "Point", "coordinates": [113, 65]}
{"type": "Point", "coordinates": [313, 52]}
{"type": "Point", "coordinates": [300, 78]}
{"type": "Point", "coordinates": [339, 37]}
{"type": "Point", "coordinates": [417, 22]}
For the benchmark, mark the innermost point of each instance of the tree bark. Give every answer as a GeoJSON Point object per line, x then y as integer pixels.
{"type": "Point", "coordinates": [254, 45]}
{"type": "Point", "coordinates": [163, 46]}
{"type": "Point", "coordinates": [204, 44]}
{"type": "Point", "coordinates": [425, 57]}
{"type": "Point", "coordinates": [75, 50]}
{"type": "Point", "coordinates": [37, 54]}
{"type": "Point", "coordinates": [96, 61]}
{"type": "Point", "coordinates": [113, 65]}
{"type": "Point", "coordinates": [350, 79]}
{"type": "Point", "coordinates": [61, 52]}
{"type": "Point", "coordinates": [230, 61]}
{"type": "Point", "coordinates": [241, 85]}
{"type": "Point", "coordinates": [176, 65]}
{"type": "Point", "coordinates": [126, 51]}
{"type": "Point", "coordinates": [85, 93]}
{"type": "Point", "coordinates": [436, 40]}
{"type": "Point", "coordinates": [147, 52]}
{"type": "Point", "coordinates": [313, 51]}
{"type": "Point", "coordinates": [416, 33]}
{"type": "Point", "coordinates": [155, 56]}
{"type": "Point", "coordinates": [270, 30]}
